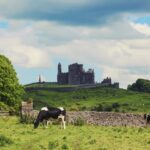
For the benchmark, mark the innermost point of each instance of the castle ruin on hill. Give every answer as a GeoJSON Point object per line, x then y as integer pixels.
{"type": "Point", "coordinates": [76, 75]}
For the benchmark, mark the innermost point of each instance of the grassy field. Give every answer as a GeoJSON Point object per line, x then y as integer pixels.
{"type": "Point", "coordinates": [16, 136]}
{"type": "Point", "coordinates": [87, 99]}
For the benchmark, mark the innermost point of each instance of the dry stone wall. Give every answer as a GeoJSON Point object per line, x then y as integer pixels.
{"type": "Point", "coordinates": [104, 118]}
{"type": "Point", "coordinates": [107, 118]}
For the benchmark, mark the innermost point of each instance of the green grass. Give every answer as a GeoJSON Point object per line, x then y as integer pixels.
{"type": "Point", "coordinates": [87, 99]}
{"type": "Point", "coordinates": [24, 137]}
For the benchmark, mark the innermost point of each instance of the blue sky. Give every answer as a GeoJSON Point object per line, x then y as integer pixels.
{"type": "Point", "coordinates": [112, 37]}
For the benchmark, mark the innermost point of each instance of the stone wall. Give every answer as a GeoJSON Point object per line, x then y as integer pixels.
{"type": "Point", "coordinates": [26, 107]}
{"type": "Point", "coordinates": [104, 118]}
{"type": "Point", "coordinates": [107, 118]}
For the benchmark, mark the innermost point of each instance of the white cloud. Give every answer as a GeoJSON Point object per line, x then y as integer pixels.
{"type": "Point", "coordinates": [23, 55]}
{"type": "Point", "coordinates": [114, 48]}
{"type": "Point", "coordinates": [115, 58]}
{"type": "Point", "coordinates": [142, 28]}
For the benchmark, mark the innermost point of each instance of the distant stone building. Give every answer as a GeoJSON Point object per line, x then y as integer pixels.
{"type": "Point", "coordinates": [76, 75]}
{"type": "Point", "coordinates": [107, 82]}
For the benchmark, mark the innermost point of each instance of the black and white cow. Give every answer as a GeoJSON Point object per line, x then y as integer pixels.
{"type": "Point", "coordinates": [147, 117]}
{"type": "Point", "coordinates": [50, 112]}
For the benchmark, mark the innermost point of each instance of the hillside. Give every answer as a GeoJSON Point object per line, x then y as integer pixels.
{"type": "Point", "coordinates": [81, 98]}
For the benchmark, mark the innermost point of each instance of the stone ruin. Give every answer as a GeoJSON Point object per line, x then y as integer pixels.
{"type": "Point", "coordinates": [107, 82]}
{"type": "Point", "coordinates": [76, 75]}
{"type": "Point", "coordinates": [26, 107]}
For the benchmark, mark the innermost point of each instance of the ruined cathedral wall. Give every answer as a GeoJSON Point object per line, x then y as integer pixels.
{"type": "Point", "coordinates": [62, 78]}
{"type": "Point", "coordinates": [88, 78]}
{"type": "Point", "coordinates": [75, 71]}
{"type": "Point", "coordinates": [75, 75]}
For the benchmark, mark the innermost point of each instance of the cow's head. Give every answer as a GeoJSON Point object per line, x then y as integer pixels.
{"type": "Point", "coordinates": [36, 124]}
{"type": "Point", "coordinates": [145, 116]}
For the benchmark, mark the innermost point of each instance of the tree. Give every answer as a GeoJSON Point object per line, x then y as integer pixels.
{"type": "Point", "coordinates": [10, 89]}
{"type": "Point", "coordinates": [141, 85]}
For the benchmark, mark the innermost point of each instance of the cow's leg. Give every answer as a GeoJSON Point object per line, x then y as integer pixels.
{"type": "Point", "coordinates": [63, 123]}
{"type": "Point", "coordinates": [49, 122]}
{"type": "Point", "coordinates": [44, 122]}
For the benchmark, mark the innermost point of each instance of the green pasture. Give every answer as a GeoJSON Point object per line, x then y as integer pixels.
{"type": "Point", "coordinates": [17, 136]}
{"type": "Point", "coordinates": [88, 99]}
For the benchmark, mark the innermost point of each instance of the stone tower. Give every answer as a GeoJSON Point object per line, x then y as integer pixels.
{"type": "Point", "coordinates": [40, 80]}
{"type": "Point", "coordinates": [59, 68]}
{"type": "Point", "coordinates": [75, 73]}
{"type": "Point", "coordinates": [62, 78]}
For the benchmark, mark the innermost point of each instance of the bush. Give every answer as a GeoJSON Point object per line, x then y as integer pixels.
{"type": "Point", "coordinates": [125, 104]}
{"type": "Point", "coordinates": [3, 106]}
{"type": "Point", "coordinates": [79, 122]}
{"type": "Point", "coordinates": [5, 141]}
{"type": "Point", "coordinates": [30, 100]}
{"type": "Point", "coordinates": [101, 107]}
{"type": "Point", "coordinates": [98, 108]}
{"type": "Point", "coordinates": [116, 110]}
{"type": "Point", "coordinates": [64, 146]}
{"type": "Point", "coordinates": [115, 105]}
{"type": "Point", "coordinates": [27, 119]}
{"type": "Point", "coordinates": [141, 85]}
{"type": "Point", "coordinates": [52, 145]}
{"type": "Point", "coordinates": [82, 108]}
{"type": "Point", "coordinates": [107, 108]}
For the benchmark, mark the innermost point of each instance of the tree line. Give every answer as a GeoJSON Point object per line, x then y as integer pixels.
{"type": "Point", "coordinates": [141, 85]}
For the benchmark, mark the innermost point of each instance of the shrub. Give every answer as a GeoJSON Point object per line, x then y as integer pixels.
{"type": "Point", "coordinates": [27, 119]}
{"type": "Point", "coordinates": [52, 145]}
{"type": "Point", "coordinates": [5, 141]}
{"type": "Point", "coordinates": [65, 146]}
{"type": "Point", "coordinates": [30, 100]}
{"type": "Point", "coordinates": [98, 108]}
{"type": "Point", "coordinates": [125, 104]}
{"type": "Point", "coordinates": [3, 106]}
{"type": "Point", "coordinates": [79, 122]}
{"type": "Point", "coordinates": [107, 108]}
{"type": "Point", "coordinates": [93, 141]}
{"type": "Point", "coordinates": [115, 105]}
{"type": "Point", "coordinates": [82, 108]}
{"type": "Point", "coordinates": [101, 107]}
{"type": "Point", "coordinates": [116, 110]}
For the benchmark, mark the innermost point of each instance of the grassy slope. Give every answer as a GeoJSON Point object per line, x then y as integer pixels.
{"type": "Point", "coordinates": [88, 98]}
{"type": "Point", "coordinates": [24, 137]}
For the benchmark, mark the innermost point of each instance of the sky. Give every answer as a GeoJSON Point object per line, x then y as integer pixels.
{"type": "Point", "coordinates": [110, 36]}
